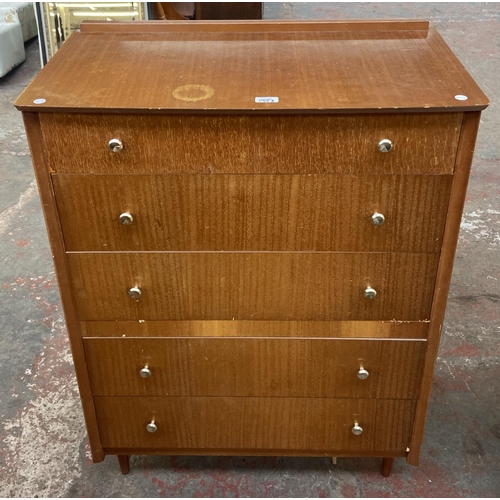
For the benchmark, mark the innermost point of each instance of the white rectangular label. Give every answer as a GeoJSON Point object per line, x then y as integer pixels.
{"type": "Point", "coordinates": [267, 99]}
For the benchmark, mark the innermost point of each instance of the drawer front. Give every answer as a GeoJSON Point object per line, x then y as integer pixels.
{"type": "Point", "coordinates": [252, 286]}
{"type": "Point", "coordinates": [214, 328]}
{"type": "Point", "coordinates": [253, 212]}
{"type": "Point", "coordinates": [301, 424]}
{"type": "Point", "coordinates": [422, 143]}
{"type": "Point", "coordinates": [315, 368]}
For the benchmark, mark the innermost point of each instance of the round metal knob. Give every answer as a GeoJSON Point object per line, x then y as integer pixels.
{"type": "Point", "coordinates": [115, 145]}
{"type": "Point", "coordinates": [378, 219]}
{"type": "Point", "coordinates": [152, 427]}
{"type": "Point", "coordinates": [357, 429]}
{"type": "Point", "coordinates": [362, 373]}
{"type": "Point", "coordinates": [370, 293]}
{"type": "Point", "coordinates": [126, 219]}
{"type": "Point", "coordinates": [146, 372]}
{"type": "Point", "coordinates": [135, 293]}
{"type": "Point", "coordinates": [384, 146]}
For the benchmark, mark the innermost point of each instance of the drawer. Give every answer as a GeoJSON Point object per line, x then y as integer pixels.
{"type": "Point", "coordinates": [252, 286]}
{"type": "Point", "coordinates": [253, 212]}
{"type": "Point", "coordinates": [316, 368]}
{"type": "Point", "coordinates": [214, 328]}
{"type": "Point", "coordinates": [214, 144]}
{"type": "Point", "coordinates": [300, 424]}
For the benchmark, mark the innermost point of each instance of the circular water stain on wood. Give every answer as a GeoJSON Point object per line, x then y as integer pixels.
{"type": "Point", "coordinates": [193, 92]}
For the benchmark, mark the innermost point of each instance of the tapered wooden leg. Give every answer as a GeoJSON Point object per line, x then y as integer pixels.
{"type": "Point", "coordinates": [334, 460]}
{"type": "Point", "coordinates": [124, 463]}
{"type": "Point", "coordinates": [387, 466]}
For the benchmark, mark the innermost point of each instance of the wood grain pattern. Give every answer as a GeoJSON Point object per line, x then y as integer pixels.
{"type": "Point", "coordinates": [314, 71]}
{"type": "Point", "coordinates": [253, 212]}
{"type": "Point", "coordinates": [315, 368]}
{"type": "Point", "coordinates": [33, 132]}
{"type": "Point", "coordinates": [308, 144]}
{"type": "Point", "coordinates": [240, 25]}
{"type": "Point", "coordinates": [268, 286]}
{"type": "Point", "coordinates": [325, 329]}
{"type": "Point", "coordinates": [299, 424]}
{"type": "Point", "coordinates": [253, 318]}
{"type": "Point", "coordinates": [247, 452]}
{"type": "Point", "coordinates": [457, 200]}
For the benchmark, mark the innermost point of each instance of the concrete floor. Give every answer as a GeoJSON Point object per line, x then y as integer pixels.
{"type": "Point", "coordinates": [44, 450]}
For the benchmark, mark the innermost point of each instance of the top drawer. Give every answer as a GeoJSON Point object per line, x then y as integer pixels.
{"type": "Point", "coordinates": [421, 143]}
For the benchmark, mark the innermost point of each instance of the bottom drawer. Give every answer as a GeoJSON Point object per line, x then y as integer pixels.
{"type": "Point", "coordinates": [235, 423]}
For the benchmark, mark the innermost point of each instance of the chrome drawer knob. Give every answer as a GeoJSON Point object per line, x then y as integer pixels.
{"type": "Point", "coordinates": [370, 293]}
{"type": "Point", "coordinates": [145, 372]}
{"type": "Point", "coordinates": [362, 373]}
{"type": "Point", "coordinates": [384, 146]}
{"type": "Point", "coordinates": [115, 145]}
{"type": "Point", "coordinates": [126, 219]}
{"type": "Point", "coordinates": [357, 429]}
{"type": "Point", "coordinates": [135, 293]}
{"type": "Point", "coordinates": [377, 219]}
{"type": "Point", "coordinates": [152, 427]}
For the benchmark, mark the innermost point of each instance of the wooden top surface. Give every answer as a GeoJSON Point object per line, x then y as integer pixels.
{"type": "Point", "coordinates": [221, 67]}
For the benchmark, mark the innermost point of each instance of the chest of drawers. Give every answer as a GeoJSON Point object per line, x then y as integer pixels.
{"type": "Point", "coordinates": [253, 226]}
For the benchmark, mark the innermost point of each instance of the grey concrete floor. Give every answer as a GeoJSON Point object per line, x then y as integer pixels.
{"type": "Point", "coordinates": [44, 450]}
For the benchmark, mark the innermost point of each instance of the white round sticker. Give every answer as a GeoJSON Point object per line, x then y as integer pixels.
{"type": "Point", "coordinates": [461, 97]}
{"type": "Point", "coordinates": [39, 101]}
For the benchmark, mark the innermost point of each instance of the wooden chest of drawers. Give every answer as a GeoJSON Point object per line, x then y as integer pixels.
{"type": "Point", "coordinates": [253, 226]}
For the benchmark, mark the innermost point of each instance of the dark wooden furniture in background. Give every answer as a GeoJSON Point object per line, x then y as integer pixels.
{"type": "Point", "coordinates": [217, 11]}
{"type": "Point", "coordinates": [254, 250]}
{"type": "Point", "coordinates": [210, 11]}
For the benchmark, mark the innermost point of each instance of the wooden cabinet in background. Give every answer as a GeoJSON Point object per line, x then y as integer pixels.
{"type": "Point", "coordinates": [253, 227]}
{"type": "Point", "coordinates": [216, 11]}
